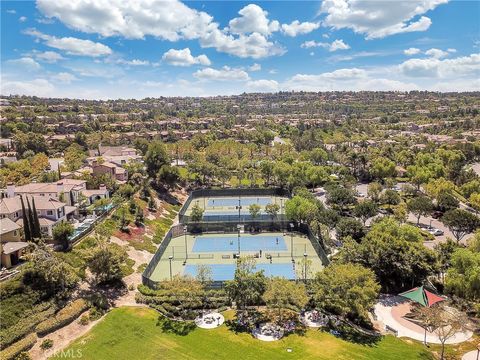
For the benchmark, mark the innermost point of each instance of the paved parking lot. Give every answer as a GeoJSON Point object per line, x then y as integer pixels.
{"type": "Point", "coordinates": [439, 225]}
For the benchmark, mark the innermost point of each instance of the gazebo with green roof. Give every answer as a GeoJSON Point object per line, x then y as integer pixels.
{"type": "Point", "coordinates": [422, 296]}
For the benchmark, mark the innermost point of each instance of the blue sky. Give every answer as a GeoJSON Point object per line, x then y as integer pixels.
{"type": "Point", "coordinates": [126, 49]}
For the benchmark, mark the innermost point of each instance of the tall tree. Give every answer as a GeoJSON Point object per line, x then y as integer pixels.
{"type": "Point", "coordinates": [62, 233]}
{"type": "Point", "coordinates": [26, 224]}
{"type": "Point", "coordinates": [248, 285]}
{"type": "Point", "coordinates": [105, 261]}
{"type": "Point", "coordinates": [282, 295]}
{"type": "Point", "coordinates": [365, 210]}
{"type": "Point", "coordinates": [156, 157]}
{"type": "Point", "coordinates": [36, 224]}
{"type": "Point", "coordinates": [31, 221]}
{"type": "Point", "coordinates": [421, 205]}
{"type": "Point", "coordinates": [394, 252]}
{"type": "Point", "coordinates": [460, 222]}
{"type": "Point", "coordinates": [348, 290]}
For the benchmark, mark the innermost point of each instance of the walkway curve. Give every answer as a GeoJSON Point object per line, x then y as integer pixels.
{"type": "Point", "coordinates": [390, 310]}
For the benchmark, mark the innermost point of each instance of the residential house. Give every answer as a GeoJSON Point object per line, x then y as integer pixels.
{"type": "Point", "coordinates": [11, 244]}
{"type": "Point", "coordinates": [50, 211]}
{"type": "Point", "coordinates": [116, 172]}
{"type": "Point", "coordinates": [66, 190]}
{"type": "Point", "coordinates": [94, 195]}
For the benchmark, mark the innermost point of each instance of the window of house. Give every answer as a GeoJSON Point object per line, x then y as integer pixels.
{"type": "Point", "coordinates": [49, 212]}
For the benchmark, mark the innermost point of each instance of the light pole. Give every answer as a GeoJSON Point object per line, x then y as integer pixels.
{"type": "Point", "coordinates": [170, 258]}
{"type": "Point", "coordinates": [185, 228]}
{"type": "Point", "coordinates": [239, 207]}
{"type": "Point", "coordinates": [238, 239]}
{"type": "Point", "coordinates": [305, 267]}
{"type": "Point", "coordinates": [291, 239]}
{"type": "Point", "coordinates": [281, 207]}
{"type": "Point", "coordinates": [478, 351]}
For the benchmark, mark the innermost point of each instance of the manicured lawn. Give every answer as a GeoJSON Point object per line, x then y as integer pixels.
{"type": "Point", "coordinates": [132, 333]}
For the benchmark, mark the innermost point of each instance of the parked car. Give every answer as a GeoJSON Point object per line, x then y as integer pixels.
{"type": "Point", "coordinates": [435, 231]}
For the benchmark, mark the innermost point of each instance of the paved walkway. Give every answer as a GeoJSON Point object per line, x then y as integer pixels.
{"type": "Point", "coordinates": [471, 355]}
{"type": "Point", "coordinates": [390, 311]}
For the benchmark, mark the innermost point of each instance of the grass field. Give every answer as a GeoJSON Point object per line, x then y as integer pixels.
{"type": "Point", "coordinates": [132, 333]}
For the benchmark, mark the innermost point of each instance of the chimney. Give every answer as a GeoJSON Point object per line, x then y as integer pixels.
{"type": "Point", "coordinates": [60, 188]}
{"type": "Point", "coordinates": [102, 187]}
{"type": "Point", "coordinates": [10, 190]}
{"type": "Point", "coordinates": [94, 163]}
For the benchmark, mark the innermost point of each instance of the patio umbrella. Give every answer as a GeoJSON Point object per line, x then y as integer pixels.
{"type": "Point", "coordinates": [422, 296]}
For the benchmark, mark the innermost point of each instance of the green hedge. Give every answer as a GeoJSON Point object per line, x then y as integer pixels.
{"type": "Point", "coordinates": [62, 318]}
{"type": "Point", "coordinates": [23, 345]}
{"type": "Point", "coordinates": [24, 327]}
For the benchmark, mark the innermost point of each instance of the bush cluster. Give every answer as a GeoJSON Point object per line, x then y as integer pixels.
{"type": "Point", "coordinates": [24, 327]}
{"type": "Point", "coordinates": [15, 349]}
{"type": "Point", "coordinates": [62, 318]}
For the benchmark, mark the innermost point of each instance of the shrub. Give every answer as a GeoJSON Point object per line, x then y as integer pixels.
{"type": "Point", "coordinates": [64, 317]}
{"type": "Point", "coordinates": [96, 313]}
{"type": "Point", "coordinates": [84, 319]}
{"type": "Point", "coordinates": [23, 356]}
{"type": "Point", "coordinates": [20, 346]}
{"type": "Point", "coordinates": [46, 344]}
{"type": "Point", "coordinates": [98, 301]}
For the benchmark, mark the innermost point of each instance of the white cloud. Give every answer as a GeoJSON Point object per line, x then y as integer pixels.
{"type": "Point", "coordinates": [48, 56]}
{"type": "Point", "coordinates": [436, 53]}
{"type": "Point", "coordinates": [253, 19]}
{"type": "Point", "coordinates": [224, 74]}
{"type": "Point", "coordinates": [12, 11]}
{"type": "Point", "coordinates": [46, 21]}
{"type": "Point", "coordinates": [338, 45]}
{"type": "Point", "coordinates": [36, 87]}
{"type": "Point", "coordinates": [378, 19]}
{"type": "Point", "coordinates": [411, 51]}
{"type": "Point", "coordinates": [64, 77]}
{"type": "Point", "coordinates": [263, 85]}
{"type": "Point", "coordinates": [22, 18]}
{"type": "Point", "coordinates": [352, 79]}
{"type": "Point", "coordinates": [170, 20]}
{"type": "Point", "coordinates": [466, 66]}
{"type": "Point", "coordinates": [255, 67]}
{"type": "Point", "coordinates": [334, 46]}
{"type": "Point", "coordinates": [298, 28]}
{"type": "Point", "coordinates": [71, 45]}
{"type": "Point", "coordinates": [254, 45]}
{"type": "Point", "coordinates": [134, 62]}
{"type": "Point", "coordinates": [450, 50]}
{"type": "Point", "coordinates": [184, 58]}
{"type": "Point", "coordinates": [26, 63]}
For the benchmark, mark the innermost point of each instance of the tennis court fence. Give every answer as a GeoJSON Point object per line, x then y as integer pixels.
{"type": "Point", "coordinates": [227, 227]}
{"type": "Point", "coordinates": [239, 192]}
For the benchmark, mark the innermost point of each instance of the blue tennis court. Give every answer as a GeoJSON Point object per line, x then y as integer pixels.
{"type": "Point", "coordinates": [223, 272]}
{"type": "Point", "coordinates": [262, 201]}
{"type": "Point", "coordinates": [229, 243]}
